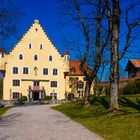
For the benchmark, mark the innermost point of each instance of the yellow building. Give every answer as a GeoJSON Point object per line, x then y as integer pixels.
{"type": "Point", "coordinates": [35, 68]}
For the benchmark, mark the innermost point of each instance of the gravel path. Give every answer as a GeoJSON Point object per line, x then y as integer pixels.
{"type": "Point", "coordinates": [40, 122]}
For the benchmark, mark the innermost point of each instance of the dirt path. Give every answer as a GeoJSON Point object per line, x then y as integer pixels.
{"type": "Point", "coordinates": [40, 122]}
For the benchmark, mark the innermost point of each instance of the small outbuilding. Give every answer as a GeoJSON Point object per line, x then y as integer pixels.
{"type": "Point", "coordinates": [133, 68]}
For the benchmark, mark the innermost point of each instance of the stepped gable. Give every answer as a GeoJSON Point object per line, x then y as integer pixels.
{"type": "Point", "coordinates": [35, 23]}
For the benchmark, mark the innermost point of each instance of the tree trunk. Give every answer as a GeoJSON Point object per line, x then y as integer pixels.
{"type": "Point", "coordinates": [114, 68]}
{"type": "Point", "coordinates": [87, 93]}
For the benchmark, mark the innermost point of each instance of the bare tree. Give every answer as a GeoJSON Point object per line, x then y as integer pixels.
{"type": "Point", "coordinates": [96, 37]}
{"type": "Point", "coordinates": [114, 18]}
{"type": "Point", "coordinates": [101, 28]}
{"type": "Point", "coordinates": [9, 18]}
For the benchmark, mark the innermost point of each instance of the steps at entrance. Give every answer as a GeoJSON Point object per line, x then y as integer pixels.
{"type": "Point", "coordinates": [32, 103]}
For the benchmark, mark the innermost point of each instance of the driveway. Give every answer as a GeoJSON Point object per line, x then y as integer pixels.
{"type": "Point", "coordinates": [40, 122]}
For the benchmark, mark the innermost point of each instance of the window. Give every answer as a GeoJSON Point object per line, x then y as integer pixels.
{"type": "Point", "coordinates": [16, 95]}
{"type": "Point", "coordinates": [2, 54]}
{"type": "Point", "coordinates": [36, 83]}
{"type": "Point", "coordinates": [53, 96]}
{"type": "Point", "coordinates": [35, 57]}
{"type": "Point", "coordinates": [84, 79]}
{"type": "Point", "coordinates": [55, 72]}
{"type": "Point", "coordinates": [20, 57]}
{"type": "Point", "coordinates": [15, 70]}
{"type": "Point", "coordinates": [30, 46]}
{"type": "Point", "coordinates": [53, 83]}
{"type": "Point", "coordinates": [45, 71]}
{"type": "Point", "coordinates": [77, 78]}
{"type": "Point", "coordinates": [16, 82]}
{"type": "Point", "coordinates": [50, 58]}
{"type": "Point", "coordinates": [25, 70]}
{"type": "Point", "coordinates": [72, 70]}
{"type": "Point", "coordinates": [41, 46]}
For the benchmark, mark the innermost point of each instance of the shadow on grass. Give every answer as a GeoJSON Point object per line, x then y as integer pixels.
{"type": "Point", "coordinates": [104, 102]}
{"type": "Point", "coordinates": [128, 103]}
{"type": "Point", "coordinates": [122, 111]}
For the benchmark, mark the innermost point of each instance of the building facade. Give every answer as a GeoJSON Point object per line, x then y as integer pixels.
{"type": "Point", "coordinates": [133, 68]}
{"type": "Point", "coordinates": [35, 68]}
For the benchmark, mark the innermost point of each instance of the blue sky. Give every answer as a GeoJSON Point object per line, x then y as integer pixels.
{"type": "Point", "coordinates": [48, 13]}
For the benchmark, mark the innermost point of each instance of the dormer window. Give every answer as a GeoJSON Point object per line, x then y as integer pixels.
{"type": "Point", "coordinates": [35, 57]}
{"type": "Point", "coordinates": [20, 57]}
{"type": "Point", "coordinates": [41, 46]}
{"type": "Point", "coordinates": [50, 58]}
{"type": "Point", "coordinates": [72, 70]}
{"type": "Point", "coordinates": [30, 46]}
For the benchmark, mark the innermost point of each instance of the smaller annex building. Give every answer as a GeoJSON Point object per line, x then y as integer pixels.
{"type": "Point", "coordinates": [34, 68]}
{"type": "Point", "coordinates": [133, 68]}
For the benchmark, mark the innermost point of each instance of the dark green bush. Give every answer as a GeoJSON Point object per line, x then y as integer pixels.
{"type": "Point", "coordinates": [23, 98]}
{"type": "Point", "coordinates": [107, 90]}
{"type": "Point", "coordinates": [47, 98]}
{"type": "Point", "coordinates": [133, 87]}
{"type": "Point", "coordinates": [94, 99]}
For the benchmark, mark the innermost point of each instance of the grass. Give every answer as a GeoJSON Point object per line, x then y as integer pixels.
{"type": "Point", "coordinates": [121, 125]}
{"type": "Point", "coordinates": [3, 110]}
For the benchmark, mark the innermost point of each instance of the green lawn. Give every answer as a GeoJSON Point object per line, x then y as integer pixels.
{"type": "Point", "coordinates": [3, 110]}
{"type": "Point", "coordinates": [121, 125]}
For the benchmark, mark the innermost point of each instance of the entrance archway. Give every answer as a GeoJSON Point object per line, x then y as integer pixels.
{"type": "Point", "coordinates": [35, 96]}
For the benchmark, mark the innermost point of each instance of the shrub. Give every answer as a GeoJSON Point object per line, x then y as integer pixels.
{"type": "Point", "coordinates": [99, 100]}
{"type": "Point", "coordinates": [107, 90]}
{"type": "Point", "coordinates": [132, 87]}
{"type": "Point", "coordinates": [23, 98]}
{"type": "Point", "coordinates": [47, 98]}
{"type": "Point", "coordinates": [94, 99]}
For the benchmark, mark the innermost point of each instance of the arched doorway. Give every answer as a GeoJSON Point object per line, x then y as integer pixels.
{"type": "Point", "coordinates": [70, 96]}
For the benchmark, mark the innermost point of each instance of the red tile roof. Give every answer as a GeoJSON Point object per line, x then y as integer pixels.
{"type": "Point", "coordinates": [67, 52]}
{"type": "Point", "coordinates": [135, 62]}
{"type": "Point", "coordinates": [2, 50]}
{"type": "Point", "coordinates": [75, 67]}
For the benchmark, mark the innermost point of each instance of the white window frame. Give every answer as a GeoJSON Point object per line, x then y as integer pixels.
{"type": "Point", "coordinates": [13, 70]}
{"type": "Point", "coordinates": [57, 72]}
{"type": "Point", "coordinates": [23, 70]}
{"type": "Point", "coordinates": [43, 71]}
{"type": "Point", "coordinates": [41, 46]}
{"type": "Point", "coordinates": [30, 44]}
{"type": "Point", "coordinates": [22, 56]}
{"type": "Point", "coordinates": [53, 93]}
{"type": "Point", "coordinates": [37, 57]}
{"type": "Point", "coordinates": [16, 92]}
{"type": "Point", "coordinates": [49, 58]}
{"type": "Point", "coordinates": [54, 87]}
{"type": "Point", "coordinates": [19, 82]}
